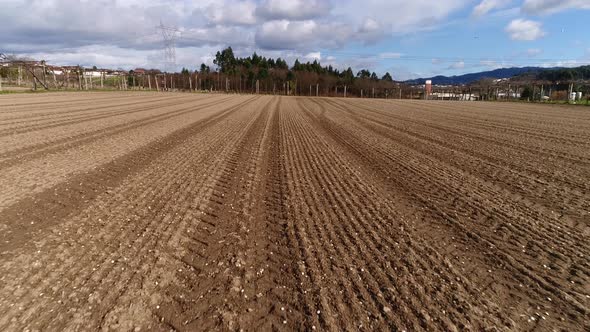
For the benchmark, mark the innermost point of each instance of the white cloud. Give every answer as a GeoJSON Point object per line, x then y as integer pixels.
{"type": "Point", "coordinates": [521, 29]}
{"type": "Point", "coordinates": [541, 7]}
{"type": "Point", "coordinates": [293, 9]}
{"type": "Point", "coordinates": [313, 56]}
{"type": "Point", "coordinates": [457, 65]}
{"type": "Point", "coordinates": [234, 13]}
{"type": "Point", "coordinates": [290, 35]}
{"type": "Point", "coordinates": [485, 6]}
{"type": "Point", "coordinates": [369, 25]}
{"type": "Point", "coordinates": [399, 16]}
{"type": "Point", "coordinates": [216, 35]}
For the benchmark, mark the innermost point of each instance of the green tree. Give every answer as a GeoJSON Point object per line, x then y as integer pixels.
{"type": "Point", "coordinates": [526, 93]}
{"type": "Point", "coordinates": [363, 73]}
{"type": "Point", "coordinates": [387, 77]}
{"type": "Point", "coordinates": [297, 65]}
{"type": "Point", "coordinates": [204, 69]}
{"type": "Point", "coordinates": [226, 61]}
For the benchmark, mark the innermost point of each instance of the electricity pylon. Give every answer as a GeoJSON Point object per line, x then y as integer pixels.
{"type": "Point", "coordinates": [169, 34]}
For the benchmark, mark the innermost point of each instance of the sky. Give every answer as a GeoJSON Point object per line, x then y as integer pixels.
{"type": "Point", "coordinates": [408, 38]}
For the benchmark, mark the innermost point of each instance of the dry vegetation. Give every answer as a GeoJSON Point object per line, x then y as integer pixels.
{"type": "Point", "coordinates": [192, 212]}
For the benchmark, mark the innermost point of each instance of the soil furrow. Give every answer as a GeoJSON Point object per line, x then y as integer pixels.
{"type": "Point", "coordinates": [36, 151]}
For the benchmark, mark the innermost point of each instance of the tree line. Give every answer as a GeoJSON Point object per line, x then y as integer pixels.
{"type": "Point", "coordinates": [269, 75]}
{"type": "Point", "coordinates": [555, 75]}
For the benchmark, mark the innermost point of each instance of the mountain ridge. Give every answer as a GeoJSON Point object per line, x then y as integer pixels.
{"type": "Point", "coordinates": [473, 77]}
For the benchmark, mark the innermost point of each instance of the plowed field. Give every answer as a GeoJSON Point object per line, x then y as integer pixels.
{"type": "Point", "coordinates": [132, 211]}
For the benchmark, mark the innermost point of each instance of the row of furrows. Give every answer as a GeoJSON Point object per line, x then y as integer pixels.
{"type": "Point", "coordinates": [92, 108]}
{"type": "Point", "coordinates": [90, 115]}
{"type": "Point", "coordinates": [329, 289]}
{"type": "Point", "coordinates": [543, 117]}
{"type": "Point", "coordinates": [538, 148]}
{"type": "Point", "coordinates": [51, 205]}
{"type": "Point", "coordinates": [548, 225]}
{"type": "Point", "coordinates": [558, 138]}
{"type": "Point", "coordinates": [158, 150]}
{"type": "Point", "coordinates": [513, 157]}
{"type": "Point", "coordinates": [149, 204]}
{"type": "Point", "coordinates": [342, 227]}
{"type": "Point", "coordinates": [273, 277]}
{"type": "Point", "coordinates": [551, 226]}
{"type": "Point", "coordinates": [53, 101]}
{"type": "Point", "coordinates": [85, 136]}
{"type": "Point", "coordinates": [370, 160]}
{"type": "Point", "coordinates": [281, 250]}
{"type": "Point", "coordinates": [36, 175]}
{"type": "Point", "coordinates": [415, 172]}
{"type": "Point", "coordinates": [212, 288]}
{"type": "Point", "coordinates": [511, 118]}
{"type": "Point", "coordinates": [513, 177]}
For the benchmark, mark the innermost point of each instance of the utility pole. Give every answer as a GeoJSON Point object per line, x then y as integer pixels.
{"type": "Point", "coordinates": [317, 89]}
{"type": "Point", "coordinates": [20, 75]}
{"type": "Point", "coordinates": [44, 73]}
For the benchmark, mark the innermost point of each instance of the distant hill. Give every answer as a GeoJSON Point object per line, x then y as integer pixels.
{"type": "Point", "coordinates": [470, 78]}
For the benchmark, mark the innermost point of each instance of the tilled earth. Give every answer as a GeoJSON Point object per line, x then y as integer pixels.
{"type": "Point", "coordinates": [146, 211]}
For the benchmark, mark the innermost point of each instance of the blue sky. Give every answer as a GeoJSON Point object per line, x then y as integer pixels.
{"type": "Point", "coordinates": [408, 38]}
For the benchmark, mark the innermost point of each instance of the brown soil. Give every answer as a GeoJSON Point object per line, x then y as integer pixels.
{"type": "Point", "coordinates": [147, 211]}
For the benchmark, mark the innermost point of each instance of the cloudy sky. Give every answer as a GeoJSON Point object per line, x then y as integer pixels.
{"type": "Point", "coordinates": [409, 38]}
